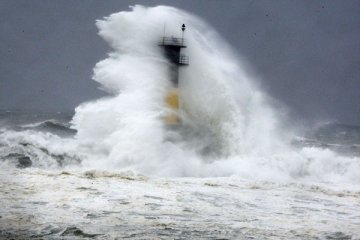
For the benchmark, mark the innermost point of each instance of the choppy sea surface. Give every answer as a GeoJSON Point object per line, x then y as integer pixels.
{"type": "Point", "coordinates": [62, 200]}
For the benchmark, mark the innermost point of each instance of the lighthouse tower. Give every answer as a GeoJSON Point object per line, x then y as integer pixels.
{"type": "Point", "coordinates": [172, 49]}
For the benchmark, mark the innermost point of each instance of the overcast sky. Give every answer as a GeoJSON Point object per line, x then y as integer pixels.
{"type": "Point", "coordinates": [306, 53]}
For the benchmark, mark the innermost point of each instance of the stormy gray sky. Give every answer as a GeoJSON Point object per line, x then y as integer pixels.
{"type": "Point", "coordinates": [306, 53]}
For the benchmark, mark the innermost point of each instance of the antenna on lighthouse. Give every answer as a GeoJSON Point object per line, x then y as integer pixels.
{"type": "Point", "coordinates": [183, 30]}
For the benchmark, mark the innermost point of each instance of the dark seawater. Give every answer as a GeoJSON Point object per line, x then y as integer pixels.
{"type": "Point", "coordinates": [56, 123]}
{"type": "Point", "coordinates": [341, 138]}
{"type": "Point", "coordinates": [22, 136]}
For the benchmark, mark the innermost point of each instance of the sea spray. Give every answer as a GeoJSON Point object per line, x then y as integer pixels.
{"type": "Point", "coordinates": [220, 106]}
{"type": "Point", "coordinates": [228, 126]}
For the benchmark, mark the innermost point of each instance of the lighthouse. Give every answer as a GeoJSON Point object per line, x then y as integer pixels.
{"type": "Point", "coordinates": [172, 49]}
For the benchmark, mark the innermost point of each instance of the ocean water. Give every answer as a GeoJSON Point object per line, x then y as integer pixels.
{"type": "Point", "coordinates": [113, 169]}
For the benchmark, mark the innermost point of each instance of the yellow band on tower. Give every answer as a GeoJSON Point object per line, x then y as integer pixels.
{"type": "Point", "coordinates": [172, 100]}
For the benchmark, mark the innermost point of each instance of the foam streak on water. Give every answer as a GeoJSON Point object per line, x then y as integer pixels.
{"type": "Point", "coordinates": [105, 205]}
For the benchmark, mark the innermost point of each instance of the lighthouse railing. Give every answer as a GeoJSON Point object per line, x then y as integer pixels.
{"type": "Point", "coordinates": [172, 41]}
{"type": "Point", "coordinates": [183, 60]}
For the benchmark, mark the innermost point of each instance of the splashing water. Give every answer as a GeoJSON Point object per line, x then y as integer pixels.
{"type": "Point", "coordinates": [228, 126]}
{"type": "Point", "coordinates": [126, 130]}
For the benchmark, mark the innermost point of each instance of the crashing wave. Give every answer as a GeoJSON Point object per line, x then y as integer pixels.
{"type": "Point", "coordinates": [229, 125]}
{"type": "Point", "coordinates": [52, 126]}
